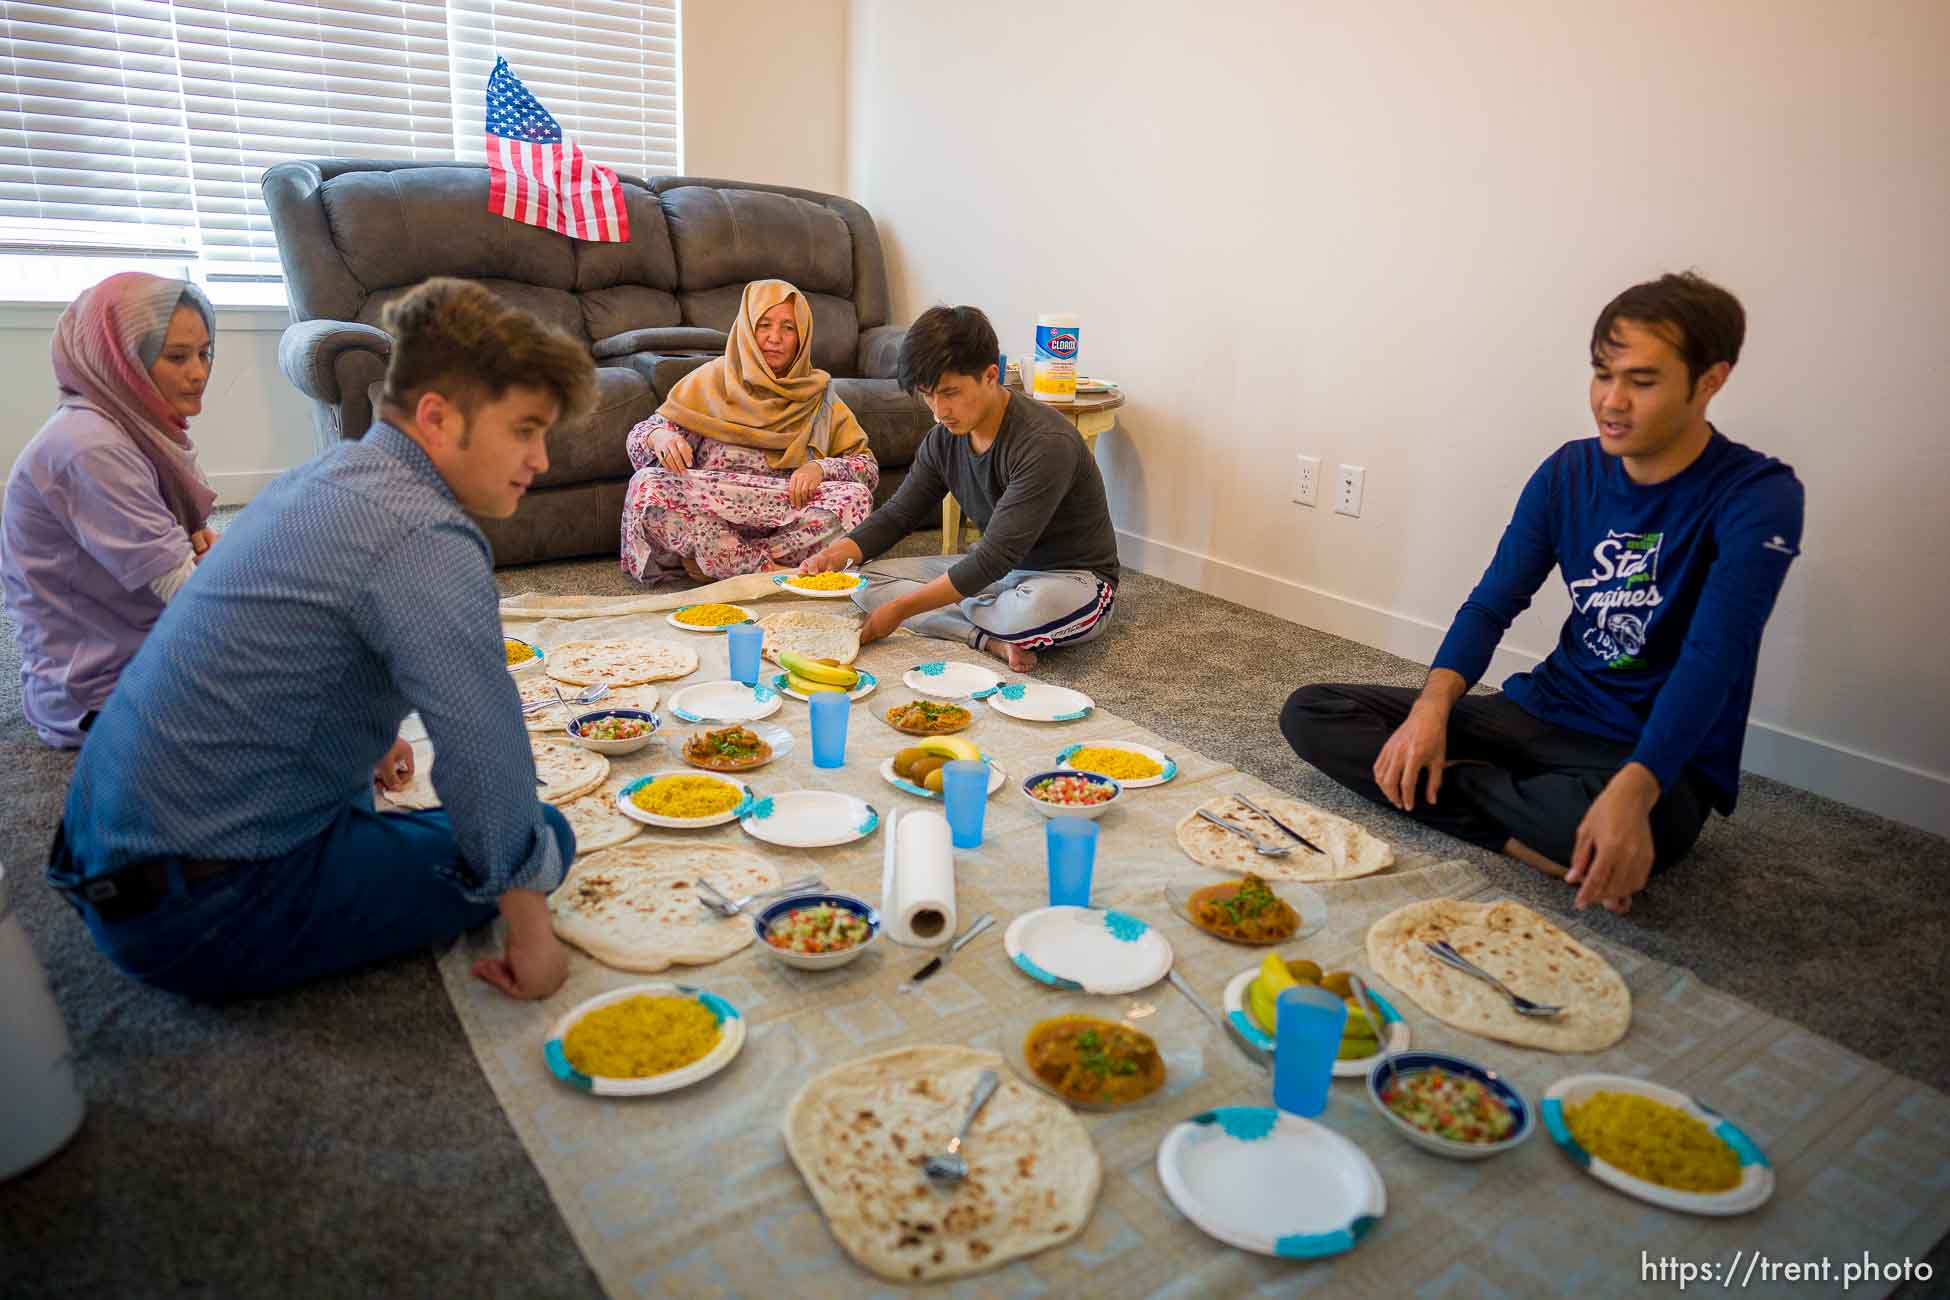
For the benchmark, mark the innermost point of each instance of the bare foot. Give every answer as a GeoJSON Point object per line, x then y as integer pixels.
{"type": "Point", "coordinates": [1018, 659]}
{"type": "Point", "coordinates": [697, 574]}
{"type": "Point", "coordinates": [1531, 858]}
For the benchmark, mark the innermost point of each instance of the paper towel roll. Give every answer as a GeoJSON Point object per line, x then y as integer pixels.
{"type": "Point", "coordinates": [919, 909]}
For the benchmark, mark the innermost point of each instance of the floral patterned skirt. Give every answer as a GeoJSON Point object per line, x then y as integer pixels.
{"type": "Point", "coordinates": [732, 514]}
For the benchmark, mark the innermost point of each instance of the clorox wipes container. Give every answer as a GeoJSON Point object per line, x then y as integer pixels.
{"type": "Point", "coordinates": [1055, 378]}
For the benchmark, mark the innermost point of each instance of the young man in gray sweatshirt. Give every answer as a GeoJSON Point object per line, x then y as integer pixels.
{"type": "Point", "coordinates": [1045, 572]}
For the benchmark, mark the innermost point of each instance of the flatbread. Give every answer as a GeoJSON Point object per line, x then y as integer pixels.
{"type": "Point", "coordinates": [564, 769]}
{"type": "Point", "coordinates": [625, 661]}
{"type": "Point", "coordinates": [1351, 850]}
{"type": "Point", "coordinates": [594, 818]}
{"type": "Point", "coordinates": [1520, 948]}
{"type": "Point", "coordinates": [816, 636]}
{"type": "Point", "coordinates": [636, 908]}
{"type": "Point", "coordinates": [540, 686]}
{"type": "Point", "coordinates": [859, 1132]}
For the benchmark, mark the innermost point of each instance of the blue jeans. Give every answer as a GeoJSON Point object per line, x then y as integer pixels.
{"type": "Point", "coordinates": [366, 888]}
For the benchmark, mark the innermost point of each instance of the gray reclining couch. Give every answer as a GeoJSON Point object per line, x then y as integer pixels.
{"type": "Point", "coordinates": [355, 235]}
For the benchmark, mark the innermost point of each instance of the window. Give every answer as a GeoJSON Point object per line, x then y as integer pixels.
{"type": "Point", "coordinates": [141, 127]}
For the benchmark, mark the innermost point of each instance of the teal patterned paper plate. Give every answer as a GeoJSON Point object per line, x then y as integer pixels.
{"type": "Point", "coordinates": [1087, 948]}
{"type": "Point", "coordinates": [809, 819]}
{"type": "Point", "coordinates": [1756, 1183]}
{"type": "Point", "coordinates": [1271, 1182]}
{"type": "Point", "coordinates": [731, 1040]}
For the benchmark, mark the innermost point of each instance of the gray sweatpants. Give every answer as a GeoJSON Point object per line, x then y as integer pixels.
{"type": "Point", "coordinates": [1028, 608]}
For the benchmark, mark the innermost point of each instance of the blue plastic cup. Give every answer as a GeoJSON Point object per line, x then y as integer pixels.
{"type": "Point", "coordinates": [965, 792]}
{"type": "Point", "coordinates": [1072, 846]}
{"type": "Point", "coordinates": [1310, 1023]}
{"type": "Point", "coordinates": [829, 710]}
{"type": "Point", "coordinates": [745, 639]}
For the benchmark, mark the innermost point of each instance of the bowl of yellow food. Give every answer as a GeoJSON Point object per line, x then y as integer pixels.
{"type": "Point", "coordinates": [714, 617]}
{"type": "Point", "coordinates": [1450, 1105]}
{"type": "Point", "coordinates": [613, 731]}
{"type": "Point", "coordinates": [1131, 765]}
{"type": "Point", "coordinates": [643, 1040]}
{"type": "Point", "coordinates": [522, 655]}
{"type": "Point", "coordinates": [1657, 1144]}
{"type": "Point", "coordinates": [683, 800]}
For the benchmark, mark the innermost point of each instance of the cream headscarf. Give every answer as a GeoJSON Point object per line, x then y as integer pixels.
{"type": "Point", "coordinates": [737, 399]}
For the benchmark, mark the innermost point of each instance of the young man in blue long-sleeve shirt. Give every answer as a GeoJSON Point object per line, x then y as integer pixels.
{"type": "Point", "coordinates": [1601, 765]}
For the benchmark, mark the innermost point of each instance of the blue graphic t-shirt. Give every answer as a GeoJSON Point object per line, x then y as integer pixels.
{"type": "Point", "coordinates": [1670, 583]}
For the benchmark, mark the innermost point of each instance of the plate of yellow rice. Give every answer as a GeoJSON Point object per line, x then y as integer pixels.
{"type": "Point", "coordinates": [819, 586]}
{"type": "Point", "coordinates": [683, 800]}
{"type": "Point", "coordinates": [1131, 765]}
{"type": "Point", "coordinates": [1657, 1144]}
{"type": "Point", "coordinates": [522, 655]}
{"type": "Point", "coordinates": [714, 617]}
{"type": "Point", "coordinates": [643, 1040]}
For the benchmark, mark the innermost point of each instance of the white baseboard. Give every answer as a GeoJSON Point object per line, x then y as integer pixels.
{"type": "Point", "coordinates": [236, 489]}
{"type": "Point", "coordinates": [1895, 790]}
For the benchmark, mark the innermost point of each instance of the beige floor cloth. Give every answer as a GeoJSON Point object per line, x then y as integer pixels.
{"type": "Point", "coordinates": [692, 1194]}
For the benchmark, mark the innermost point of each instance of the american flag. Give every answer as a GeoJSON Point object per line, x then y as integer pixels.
{"type": "Point", "coordinates": [541, 179]}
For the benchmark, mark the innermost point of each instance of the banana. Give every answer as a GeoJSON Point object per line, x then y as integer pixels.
{"type": "Point", "coordinates": [795, 682]}
{"type": "Point", "coordinates": [950, 747]}
{"type": "Point", "coordinates": [813, 670]}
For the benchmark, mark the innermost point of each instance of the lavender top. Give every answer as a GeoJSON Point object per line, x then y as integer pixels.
{"type": "Point", "coordinates": [84, 532]}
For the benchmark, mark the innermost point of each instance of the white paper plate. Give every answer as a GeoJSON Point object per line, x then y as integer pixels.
{"type": "Point", "coordinates": [532, 661]}
{"type": "Point", "coordinates": [629, 809]}
{"type": "Point", "coordinates": [779, 581]}
{"type": "Point", "coordinates": [1270, 1182]}
{"type": "Point", "coordinates": [951, 681]}
{"type": "Point", "coordinates": [1087, 948]}
{"type": "Point", "coordinates": [782, 742]}
{"type": "Point", "coordinates": [1036, 702]}
{"type": "Point", "coordinates": [1354, 1068]}
{"type": "Point", "coordinates": [1157, 756]}
{"type": "Point", "coordinates": [810, 819]}
{"type": "Point", "coordinates": [865, 687]}
{"type": "Point", "coordinates": [996, 777]}
{"type": "Point", "coordinates": [672, 619]}
{"type": "Point", "coordinates": [1756, 1174]}
{"type": "Point", "coordinates": [723, 702]}
{"type": "Point", "coordinates": [732, 1039]}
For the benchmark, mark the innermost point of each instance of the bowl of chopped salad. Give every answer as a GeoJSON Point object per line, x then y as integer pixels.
{"type": "Point", "coordinates": [613, 731]}
{"type": "Point", "coordinates": [817, 931]}
{"type": "Point", "coordinates": [1450, 1105]}
{"type": "Point", "coordinates": [1064, 792]}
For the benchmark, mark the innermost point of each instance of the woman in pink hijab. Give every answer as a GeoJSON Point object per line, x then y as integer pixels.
{"type": "Point", "coordinates": [106, 510]}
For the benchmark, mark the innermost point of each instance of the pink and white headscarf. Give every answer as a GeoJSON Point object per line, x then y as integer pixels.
{"type": "Point", "coordinates": [104, 344]}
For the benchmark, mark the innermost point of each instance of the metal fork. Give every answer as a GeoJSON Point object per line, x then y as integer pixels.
{"type": "Point", "coordinates": [723, 905]}
{"type": "Point", "coordinates": [1265, 850]}
{"type": "Point", "coordinates": [1523, 1006]}
{"type": "Point", "coordinates": [1304, 841]}
{"type": "Point", "coordinates": [587, 695]}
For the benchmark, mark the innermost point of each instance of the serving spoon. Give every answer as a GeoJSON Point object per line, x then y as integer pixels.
{"type": "Point", "coordinates": [949, 1169]}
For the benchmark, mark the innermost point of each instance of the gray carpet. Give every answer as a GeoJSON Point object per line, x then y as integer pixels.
{"type": "Point", "coordinates": [339, 1140]}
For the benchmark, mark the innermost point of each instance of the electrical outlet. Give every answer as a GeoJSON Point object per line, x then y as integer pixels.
{"type": "Point", "coordinates": [1347, 490]}
{"type": "Point", "coordinates": [1306, 484]}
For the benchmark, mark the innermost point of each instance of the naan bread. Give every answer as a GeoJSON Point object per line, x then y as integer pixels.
{"type": "Point", "coordinates": [858, 1134]}
{"type": "Point", "coordinates": [816, 636]}
{"type": "Point", "coordinates": [540, 686]}
{"type": "Point", "coordinates": [636, 908]}
{"type": "Point", "coordinates": [595, 820]}
{"type": "Point", "coordinates": [628, 661]}
{"type": "Point", "coordinates": [1351, 851]}
{"type": "Point", "coordinates": [1520, 948]}
{"type": "Point", "coordinates": [564, 770]}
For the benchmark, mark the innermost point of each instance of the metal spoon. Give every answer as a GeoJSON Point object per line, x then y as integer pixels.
{"type": "Point", "coordinates": [947, 1170]}
{"type": "Point", "coordinates": [1523, 1006]}
{"type": "Point", "coordinates": [1383, 1031]}
{"type": "Point", "coordinates": [1265, 850]}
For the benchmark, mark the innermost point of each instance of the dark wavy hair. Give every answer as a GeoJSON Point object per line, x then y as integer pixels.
{"type": "Point", "coordinates": [943, 339]}
{"type": "Point", "coordinates": [1704, 322]}
{"type": "Point", "coordinates": [455, 338]}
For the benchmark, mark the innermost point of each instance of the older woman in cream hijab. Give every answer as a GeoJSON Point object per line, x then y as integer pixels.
{"type": "Point", "coordinates": [752, 463]}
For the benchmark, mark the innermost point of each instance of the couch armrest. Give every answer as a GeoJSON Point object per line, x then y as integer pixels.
{"type": "Point", "coordinates": [661, 338]}
{"type": "Point", "coordinates": [309, 352]}
{"type": "Point", "coordinates": [880, 350]}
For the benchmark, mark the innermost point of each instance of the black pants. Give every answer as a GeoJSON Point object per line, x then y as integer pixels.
{"type": "Point", "coordinates": [1527, 780]}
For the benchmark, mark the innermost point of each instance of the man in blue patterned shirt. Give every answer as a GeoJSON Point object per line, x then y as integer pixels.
{"type": "Point", "coordinates": [220, 838]}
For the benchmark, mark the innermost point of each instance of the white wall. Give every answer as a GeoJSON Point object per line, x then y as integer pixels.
{"type": "Point", "coordinates": [1379, 234]}
{"type": "Point", "coordinates": [765, 91]}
